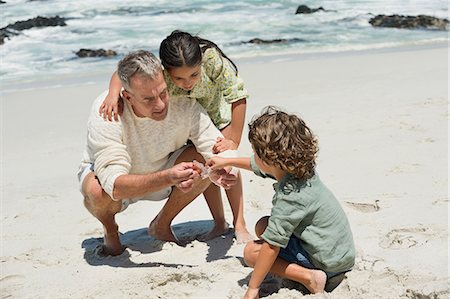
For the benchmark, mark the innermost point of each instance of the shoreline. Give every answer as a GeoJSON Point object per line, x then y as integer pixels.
{"type": "Point", "coordinates": [103, 76]}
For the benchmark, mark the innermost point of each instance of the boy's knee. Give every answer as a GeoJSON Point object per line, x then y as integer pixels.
{"type": "Point", "coordinates": [261, 226]}
{"type": "Point", "coordinates": [250, 254]}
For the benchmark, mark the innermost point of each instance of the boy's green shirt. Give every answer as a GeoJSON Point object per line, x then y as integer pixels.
{"type": "Point", "coordinates": [309, 211]}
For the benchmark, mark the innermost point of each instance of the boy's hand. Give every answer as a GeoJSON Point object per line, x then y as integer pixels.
{"type": "Point", "coordinates": [223, 144]}
{"type": "Point", "coordinates": [216, 163]}
{"type": "Point", "coordinates": [251, 293]}
{"type": "Point", "coordinates": [111, 105]}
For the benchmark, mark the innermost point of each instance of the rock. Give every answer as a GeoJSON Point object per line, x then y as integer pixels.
{"type": "Point", "coordinates": [12, 29]}
{"type": "Point", "coordinates": [95, 53]}
{"type": "Point", "coordinates": [409, 22]}
{"type": "Point", "coordinates": [266, 41]}
{"type": "Point", "coordinates": [37, 22]}
{"type": "Point", "coordinates": [2, 2]}
{"type": "Point", "coordinates": [260, 41]}
{"type": "Point", "coordinates": [303, 9]}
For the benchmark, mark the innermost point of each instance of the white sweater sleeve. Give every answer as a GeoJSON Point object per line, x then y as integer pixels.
{"type": "Point", "coordinates": [109, 153]}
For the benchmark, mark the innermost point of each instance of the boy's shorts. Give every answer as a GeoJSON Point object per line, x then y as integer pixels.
{"type": "Point", "coordinates": [86, 168]}
{"type": "Point", "coordinates": [295, 253]}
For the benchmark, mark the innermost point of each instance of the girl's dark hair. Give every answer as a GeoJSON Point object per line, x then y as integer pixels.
{"type": "Point", "coordinates": [181, 48]}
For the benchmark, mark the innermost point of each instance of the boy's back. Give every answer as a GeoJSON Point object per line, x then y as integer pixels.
{"type": "Point", "coordinates": [310, 211]}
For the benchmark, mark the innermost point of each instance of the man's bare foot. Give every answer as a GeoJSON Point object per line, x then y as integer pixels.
{"type": "Point", "coordinates": [218, 230]}
{"type": "Point", "coordinates": [243, 236]}
{"type": "Point", "coordinates": [163, 233]}
{"type": "Point", "coordinates": [112, 245]}
{"type": "Point", "coordinates": [317, 282]}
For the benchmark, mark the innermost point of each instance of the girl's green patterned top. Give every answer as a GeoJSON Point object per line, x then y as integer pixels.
{"type": "Point", "coordinates": [217, 89]}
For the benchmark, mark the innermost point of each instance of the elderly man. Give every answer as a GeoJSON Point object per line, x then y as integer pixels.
{"type": "Point", "coordinates": [145, 156]}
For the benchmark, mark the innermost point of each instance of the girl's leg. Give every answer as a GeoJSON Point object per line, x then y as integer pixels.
{"type": "Point", "coordinates": [236, 200]}
{"type": "Point", "coordinates": [214, 200]}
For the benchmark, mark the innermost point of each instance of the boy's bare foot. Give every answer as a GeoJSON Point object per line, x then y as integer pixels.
{"type": "Point", "coordinates": [317, 282]}
{"type": "Point", "coordinates": [112, 245]}
{"type": "Point", "coordinates": [243, 236]}
{"type": "Point", "coordinates": [218, 230]}
{"type": "Point", "coordinates": [162, 233]}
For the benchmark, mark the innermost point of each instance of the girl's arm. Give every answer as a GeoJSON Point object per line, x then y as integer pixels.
{"type": "Point", "coordinates": [217, 162]}
{"type": "Point", "coordinates": [267, 256]}
{"type": "Point", "coordinates": [234, 130]}
{"type": "Point", "coordinates": [111, 103]}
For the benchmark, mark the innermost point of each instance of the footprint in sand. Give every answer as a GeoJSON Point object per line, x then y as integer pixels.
{"type": "Point", "coordinates": [11, 285]}
{"type": "Point", "coordinates": [364, 207]}
{"type": "Point", "coordinates": [411, 127]}
{"type": "Point", "coordinates": [406, 238]}
{"type": "Point", "coordinates": [441, 201]}
{"type": "Point", "coordinates": [405, 168]}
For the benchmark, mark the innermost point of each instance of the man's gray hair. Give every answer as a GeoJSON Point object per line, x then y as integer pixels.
{"type": "Point", "coordinates": [142, 63]}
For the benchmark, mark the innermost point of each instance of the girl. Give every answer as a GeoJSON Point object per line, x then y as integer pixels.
{"type": "Point", "coordinates": [197, 68]}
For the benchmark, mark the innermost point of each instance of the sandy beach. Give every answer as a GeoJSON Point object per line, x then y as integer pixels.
{"type": "Point", "coordinates": [381, 118]}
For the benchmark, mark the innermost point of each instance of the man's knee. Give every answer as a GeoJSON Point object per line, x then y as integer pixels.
{"type": "Point", "coordinates": [91, 187]}
{"type": "Point", "coordinates": [190, 154]}
{"type": "Point", "coordinates": [94, 195]}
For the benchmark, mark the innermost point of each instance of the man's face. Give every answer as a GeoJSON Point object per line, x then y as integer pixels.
{"type": "Point", "coordinates": [148, 98]}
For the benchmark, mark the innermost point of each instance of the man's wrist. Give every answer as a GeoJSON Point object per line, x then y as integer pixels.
{"type": "Point", "coordinates": [167, 177]}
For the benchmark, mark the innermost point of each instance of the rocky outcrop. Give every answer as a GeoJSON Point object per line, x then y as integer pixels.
{"type": "Point", "coordinates": [260, 41]}
{"type": "Point", "coordinates": [303, 9]}
{"type": "Point", "coordinates": [409, 22]}
{"type": "Point", "coordinates": [95, 53]}
{"type": "Point", "coordinates": [2, 2]}
{"type": "Point", "coordinates": [12, 29]}
{"type": "Point", "coordinates": [37, 22]}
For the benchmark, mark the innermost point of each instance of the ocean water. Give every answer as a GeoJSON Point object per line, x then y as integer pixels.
{"type": "Point", "coordinates": [127, 25]}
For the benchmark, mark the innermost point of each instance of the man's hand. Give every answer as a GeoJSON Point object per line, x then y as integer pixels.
{"type": "Point", "coordinates": [183, 175]}
{"type": "Point", "coordinates": [223, 144]}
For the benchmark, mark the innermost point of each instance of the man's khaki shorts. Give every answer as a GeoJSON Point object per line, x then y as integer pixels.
{"type": "Point", "coordinates": [86, 168]}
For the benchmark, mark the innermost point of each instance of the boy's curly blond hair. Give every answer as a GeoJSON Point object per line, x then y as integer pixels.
{"type": "Point", "coordinates": [285, 141]}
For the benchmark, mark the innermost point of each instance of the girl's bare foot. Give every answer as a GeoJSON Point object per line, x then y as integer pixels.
{"type": "Point", "coordinates": [317, 282]}
{"type": "Point", "coordinates": [243, 236]}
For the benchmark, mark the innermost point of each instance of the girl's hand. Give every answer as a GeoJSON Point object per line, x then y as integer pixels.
{"type": "Point", "coordinates": [223, 144]}
{"type": "Point", "coordinates": [112, 105]}
{"type": "Point", "coordinates": [251, 293]}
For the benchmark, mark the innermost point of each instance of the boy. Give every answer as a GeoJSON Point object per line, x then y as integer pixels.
{"type": "Point", "coordinates": [307, 237]}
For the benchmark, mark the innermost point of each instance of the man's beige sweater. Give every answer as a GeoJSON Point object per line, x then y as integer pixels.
{"type": "Point", "coordinates": [136, 145]}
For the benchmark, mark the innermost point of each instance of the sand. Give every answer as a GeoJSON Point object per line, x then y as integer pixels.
{"type": "Point", "coordinates": [382, 122]}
